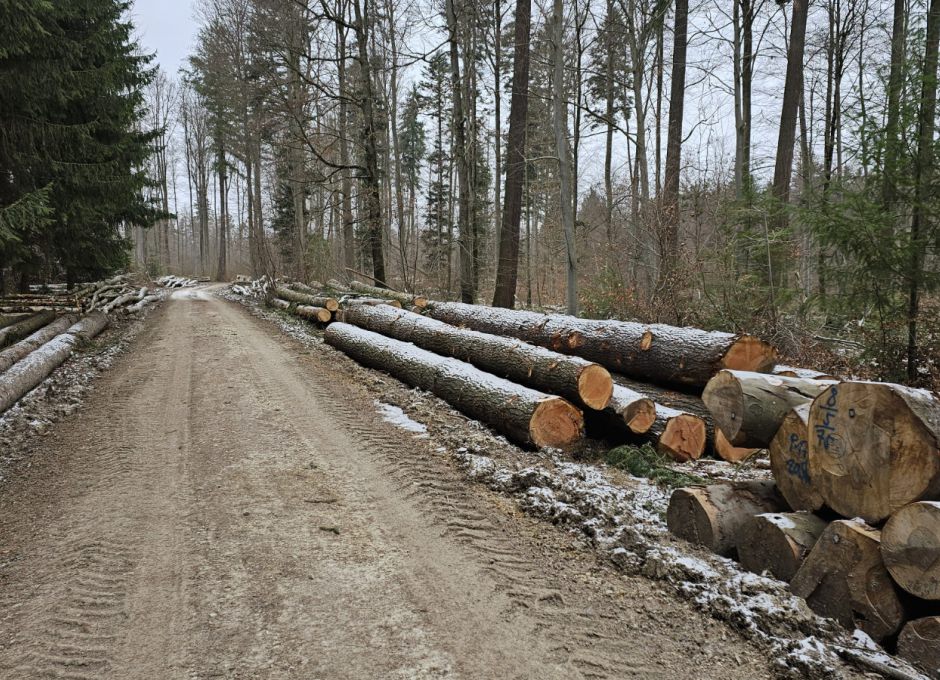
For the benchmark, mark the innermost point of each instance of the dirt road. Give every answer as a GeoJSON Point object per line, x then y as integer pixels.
{"type": "Point", "coordinates": [227, 505]}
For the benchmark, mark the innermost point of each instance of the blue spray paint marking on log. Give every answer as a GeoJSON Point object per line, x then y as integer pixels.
{"type": "Point", "coordinates": [798, 463]}
{"type": "Point", "coordinates": [826, 433]}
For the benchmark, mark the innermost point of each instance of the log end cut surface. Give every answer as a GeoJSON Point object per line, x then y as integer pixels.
{"type": "Point", "coordinates": [789, 462]}
{"type": "Point", "coordinates": [910, 545]}
{"type": "Point", "coordinates": [556, 423]}
{"type": "Point", "coordinates": [750, 353]}
{"type": "Point", "coordinates": [684, 438]}
{"type": "Point", "coordinates": [640, 415]}
{"type": "Point", "coordinates": [595, 387]}
{"type": "Point", "coordinates": [919, 643]}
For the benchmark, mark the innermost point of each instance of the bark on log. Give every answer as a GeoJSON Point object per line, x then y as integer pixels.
{"type": "Point", "coordinates": [714, 516]}
{"type": "Point", "coordinates": [10, 318]}
{"type": "Point", "coordinates": [371, 302]}
{"type": "Point", "coordinates": [910, 546]}
{"type": "Point", "coordinates": [655, 353]}
{"type": "Point", "coordinates": [805, 373]}
{"type": "Point", "coordinates": [779, 542]}
{"type": "Point", "coordinates": [404, 298]}
{"type": "Point", "coordinates": [318, 314]}
{"type": "Point", "coordinates": [524, 415]}
{"type": "Point", "coordinates": [35, 367]}
{"type": "Point", "coordinates": [279, 303]}
{"type": "Point", "coordinates": [14, 353]}
{"type": "Point", "coordinates": [21, 329]}
{"type": "Point", "coordinates": [789, 461]}
{"type": "Point", "coordinates": [635, 410]}
{"type": "Point", "coordinates": [844, 578]}
{"type": "Point", "coordinates": [290, 295]}
{"type": "Point", "coordinates": [874, 448]}
{"type": "Point", "coordinates": [749, 407]}
{"type": "Point", "coordinates": [137, 306]}
{"type": "Point", "coordinates": [571, 377]}
{"type": "Point", "coordinates": [919, 643]}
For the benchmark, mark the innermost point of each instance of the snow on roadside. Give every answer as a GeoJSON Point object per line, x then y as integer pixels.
{"type": "Point", "coordinates": [396, 416]}
{"type": "Point", "coordinates": [627, 524]}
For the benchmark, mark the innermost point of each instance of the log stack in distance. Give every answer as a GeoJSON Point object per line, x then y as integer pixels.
{"type": "Point", "coordinates": [874, 448]}
{"type": "Point", "coordinates": [524, 415]}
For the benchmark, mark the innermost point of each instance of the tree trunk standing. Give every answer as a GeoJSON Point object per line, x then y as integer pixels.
{"type": "Point", "coordinates": [507, 270]}
{"type": "Point", "coordinates": [371, 181]}
{"type": "Point", "coordinates": [895, 84]}
{"type": "Point", "coordinates": [560, 123]}
{"type": "Point", "coordinates": [792, 89]}
{"type": "Point", "coordinates": [465, 226]}
{"type": "Point", "coordinates": [609, 135]}
{"type": "Point", "coordinates": [743, 19]}
{"type": "Point", "coordinates": [221, 271]}
{"type": "Point", "coordinates": [297, 118]}
{"type": "Point", "coordinates": [497, 116]}
{"type": "Point", "coordinates": [403, 236]}
{"type": "Point", "coordinates": [349, 237]}
{"type": "Point", "coordinates": [660, 68]}
{"type": "Point", "coordinates": [580, 18]}
{"type": "Point", "coordinates": [924, 171]}
{"type": "Point", "coordinates": [670, 255]}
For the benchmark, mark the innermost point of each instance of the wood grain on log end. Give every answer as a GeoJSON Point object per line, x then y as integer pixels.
{"type": "Point", "coordinates": [556, 423]}
{"type": "Point", "coordinates": [640, 415]}
{"type": "Point", "coordinates": [910, 546]}
{"type": "Point", "coordinates": [778, 542]}
{"type": "Point", "coordinates": [919, 643]}
{"type": "Point", "coordinates": [420, 301]}
{"type": "Point", "coordinates": [595, 387]}
{"type": "Point", "coordinates": [684, 438]}
{"type": "Point", "coordinates": [750, 353]}
{"type": "Point", "coordinates": [729, 452]}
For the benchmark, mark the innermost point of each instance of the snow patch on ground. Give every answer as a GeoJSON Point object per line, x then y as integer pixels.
{"type": "Point", "coordinates": [395, 416]}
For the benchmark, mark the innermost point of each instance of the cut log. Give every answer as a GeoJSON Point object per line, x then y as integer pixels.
{"type": "Point", "coordinates": [571, 377]}
{"type": "Point", "coordinates": [874, 448]}
{"type": "Point", "coordinates": [805, 373]}
{"type": "Point", "coordinates": [10, 318]}
{"type": "Point", "coordinates": [318, 314]}
{"type": "Point", "coordinates": [371, 302]}
{"type": "Point", "coordinates": [919, 643]}
{"type": "Point", "coordinates": [35, 367]}
{"type": "Point", "coordinates": [21, 329]}
{"type": "Point", "coordinates": [729, 452]}
{"type": "Point", "coordinates": [655, 353]}
{"type": "Point", "coordinates": [14, 353]}
{"type": "Point", "coordinates": [279, 303]}
{"type": "Point", "coordinates": [137, 306]}
{"type": "Point", "coordinates": [681, 436]}
{"type": "Point", "coordinates": [844, 578]}
{"type": "Point", "coordinates": [910, 546]}
{"type": "Point", "coordinates": [635, 410]}
{"type": "Point", "coordinates": [375, 291]}
{"type": "Point", "coordinates": [714, 516]}
{"type": "Point", "coordinates": [778, 542]}
{"type": "Point", "coordinates": [789, 461]}
{"type": "Point", "coordinates": [522, 414]}
{"type": "Point", "coordinates": [291, 295]}
{"type": "Point", "coordinates": [749, 407]}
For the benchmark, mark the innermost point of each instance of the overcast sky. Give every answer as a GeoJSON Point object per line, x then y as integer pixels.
{"type": "Point", "coordinates": [166, 27]}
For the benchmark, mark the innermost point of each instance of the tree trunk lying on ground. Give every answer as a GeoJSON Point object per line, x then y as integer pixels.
{"type": "Point", "coordinates": [919, 643]}
{"type": "Point", "coordinates": [571, 377]}
{"type": "Point", "coordinates": [279, 303]}
{"type": "Point", "coordinates": [749, 407]}
{"type": "Point", "coordinates": [635, 410]}
{"type": "Point", "coordinates": [729, 452]}
{"type": "Point", "coordinates": [524, 415]}
{"type": "Point", "coordinates": [680, 435]}
{"type": "Point", "coordinates": [32, 369]}
{"type": "Point", "coordinates": [21, 329]}
{"type": "Point", "coordinates": [404, 298]}
{"type": "Point", "coordinates": [714, 516]}
{"type": "Point", "coordinates": [10, 318]}
{"type": "Point", "coordinates": [805, 373]}
{"type": "Point", "coordinates": [14, 353]}
{"type": "Point", "coordinates": [318, 314]}
{"type": "Point", "coordinates": [844, 578]}
{"type": "Point", "coordinates": [874, 448]}
{"type": "Point", "coordinates": [371, 302]}
{"type": "Point", "coordinates": [789, 461]}
{"type": "Point", "coordinates": [910, 546]}
{"type": "Point", "coordinates": [778, 542]}
{"type": "Point", "coordinates": [304, 299]}
{"type": "Point", "coordinates": [656, 353]}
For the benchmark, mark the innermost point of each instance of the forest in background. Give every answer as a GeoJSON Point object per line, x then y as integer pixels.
{"type": "Point", "coordinates": [737, 164]}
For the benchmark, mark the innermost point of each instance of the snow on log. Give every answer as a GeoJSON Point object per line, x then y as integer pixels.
{"type": "Point", "coordinates": [874, 448]}
{"type": "Point", "coordinates": [778, 542]}
{"type": "Point", "coordinates": [789, 461]}
{"type": "Point", "coordinates": [522, 414]}
{"type": "Point", "coordinates": [35, 367]}
{"type": "Point", "coordinates": [749, 407]}
{"type": "Point", "coordinates": [375, 291]}
{"type": "Point", "coordinates": [844, 578]}
{"type": "Point", "coordinates": [14, 353]}
{"type": "Point", "coordinates": [919, 643]}
{"type": "Point", "coordinates": [146, 300]}
{"type": "Point", "coordinates": [637, 411]}
{"type": "Point", "coordinates": [714, 516]}
{"type": "Point", "coordinates": [571, 377]}
{"type": "Point", "coordinates": [21, 329]}
{"type": "Point", "coordinates": [655, 353]}
{"type": "Point", "coordinates": [372, 302]}
{"type": "Point", "coordinates": [805, 373]}
{"type": "Point", "coordinates": [279, 303]}
{"type": "Point", "coordinates": [312, 313]}
{"type": "Point", "coordinates": [910, 546]}
{"type": "Point", "coordinates": [291, 295]}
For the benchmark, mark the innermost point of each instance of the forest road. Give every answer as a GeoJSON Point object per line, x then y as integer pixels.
{"type": "Point", "coordinates": [225, 506]}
